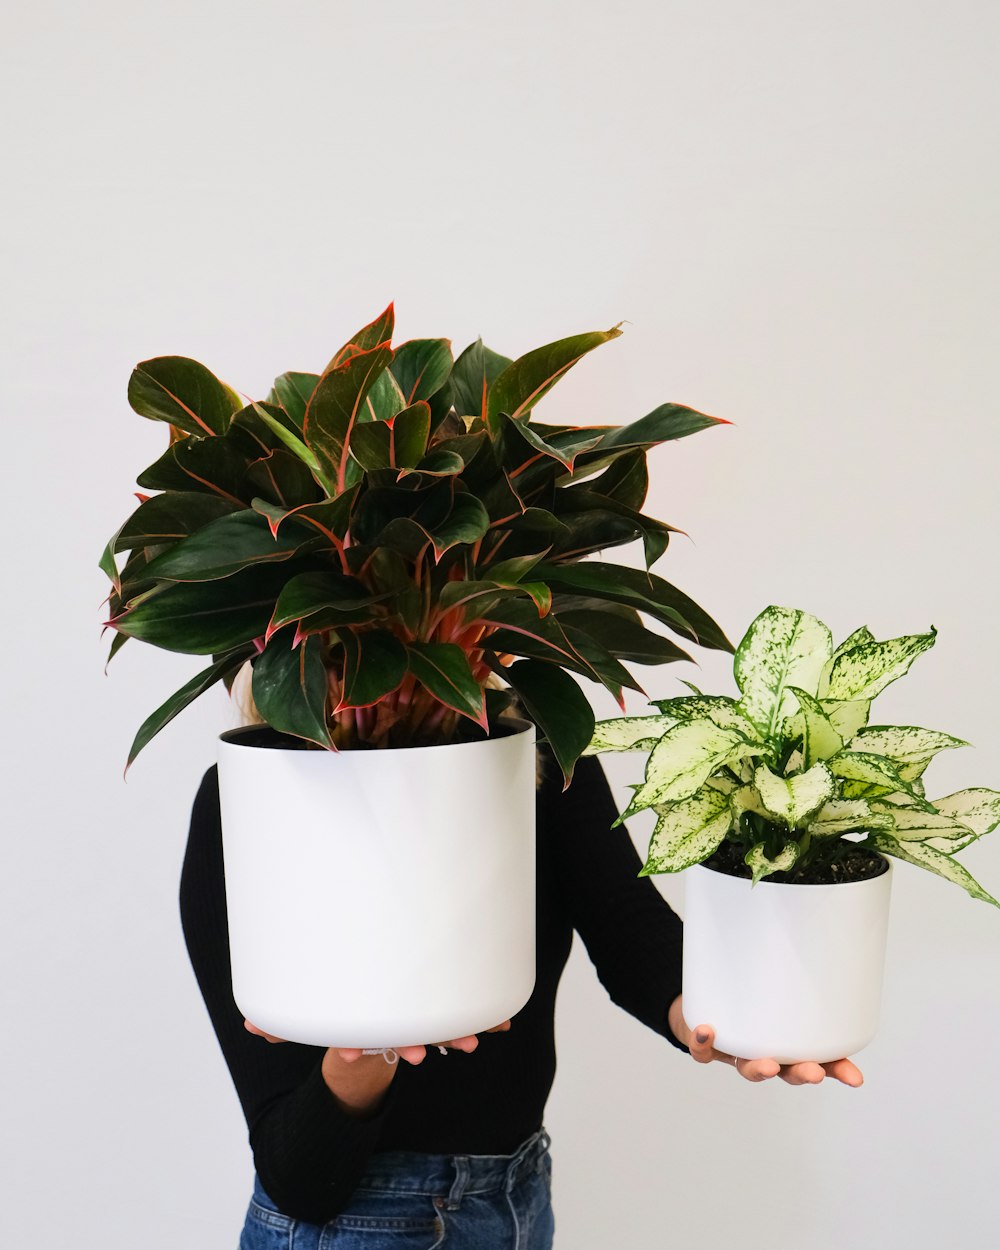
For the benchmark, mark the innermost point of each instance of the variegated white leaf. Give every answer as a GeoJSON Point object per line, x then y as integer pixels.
{"type": "Point", "coordinates": [840, 816]}
{"type": "Point", "coordinates": [847, 716]}
{"type": "Point", "coordinates": [689, 832]}
{"type": "Point", "coordinates": [872, 771]}
{"type": "Point", "coordinates": [905, 745]}
{"type": "Point", "coordinates": [865, 671]}
{"type": "Point", "coordinates": [819, 738]}
{"type": "Point", "coordinates": [760, 866]}
{"type": "Point", "coordinates": [683, 760]}
{"type": "Point", "coordinates": [747, 799]}
{"type": "Point", "coordinates": [857, 639]}
{"type": "Point", "coordinates": [794, 799]}
{"type": "Point", "coordinates": [978, 809]}
{"type": "Point", "coordinates": [914, 825]}
{"type": "Point", "coordinates": [783, 647]}
{"type": "Point", "coordinates": [925, 856]}
{"type": "Point", "coordinates": [719, 709]}
{"type": "Point", "coordinates": [628, 733]}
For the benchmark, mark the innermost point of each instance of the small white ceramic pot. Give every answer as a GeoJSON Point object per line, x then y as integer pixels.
{"type": "Point", "coordinates": [788, 972]}
{"type": "Point", "coordinates": [380, 897]}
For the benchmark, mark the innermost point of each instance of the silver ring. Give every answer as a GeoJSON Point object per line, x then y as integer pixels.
{"type": "Point", "coordinates": [736, 1064]}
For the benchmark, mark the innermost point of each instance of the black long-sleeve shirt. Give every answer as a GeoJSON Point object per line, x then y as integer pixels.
{"type": "Point", "coordinates": [309, 1153]}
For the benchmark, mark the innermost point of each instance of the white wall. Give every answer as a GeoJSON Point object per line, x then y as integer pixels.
{"type": "Point", "coordinates": [794, 206]}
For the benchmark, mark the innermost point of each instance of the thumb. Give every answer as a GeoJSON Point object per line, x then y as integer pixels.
{"type": "Point", "coordinates": [701, 1043]}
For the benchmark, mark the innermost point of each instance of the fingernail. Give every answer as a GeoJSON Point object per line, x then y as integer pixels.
{"type": "Point", "coordinates": [701, 1036]}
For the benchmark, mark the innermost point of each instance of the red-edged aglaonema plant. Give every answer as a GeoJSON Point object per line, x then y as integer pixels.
{"type": "Point", "coordinates": [377, 539]}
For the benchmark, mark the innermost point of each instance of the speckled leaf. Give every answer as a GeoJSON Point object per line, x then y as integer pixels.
{"type": "Point", "coordinates": [848, 717]}
{"type": "Point", "coordinates": [784, 647]}
{"type": "Point", "coordinates": [719, 709]}
{"type": "Point", "coordinates": [794, 799]}
{"type": "Point", "coordinates": [683, 760]}
{"type": "Point", "coordinates": [629, 733]}
{"type": "Point", "coordinates": [761, 867]}
{"type": "Point", "coordinates": [905, 745]}
{"type": "Point", "coordinates": [924, 856]}
{"type": "Point", "coordinates": [820, 739]}
{"type": "Point", "coordinates": [841, 816]}
{"type": "Point", "coordinates": [978, 808]}
{"type": "Point", "coordinates": [874, 772]}
{"type": "Point", "coordinates": [865, 671]}
{"type": "Point", "coordinates": [688, 832]}
{"type": "Point", "coordinates": [914, 824]}
{"type": "Point", "coordinates": [857, 639]}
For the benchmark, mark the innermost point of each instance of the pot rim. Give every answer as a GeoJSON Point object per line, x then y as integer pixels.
{"type": "Point", "coordinates": [231, 737]}
{"type": "Point", "coordinates": [801, 885]}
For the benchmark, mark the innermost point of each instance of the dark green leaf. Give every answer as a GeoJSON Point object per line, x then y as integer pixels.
{"type": "Point", "coordinates": [443, 667]}
{"type": "Point", "coordinates": [523, 383]}
{"type": "Point", "coordinates": [641, 590]}
{"type": "Point", "coordinates": [663, 424]}
{"type": "Point", "coordinates": [224, 547]}
{"type": "Point", "coordinates": [213, 465]}
{"type": "Point", "coordinates": [421, 367]}
{"type": "Point", "coordinates": [558, 707]}
{"type": "Point", "coordinates": [629, 640]}
{"type": "Point", "coordinates": [283, 478]}
{"type": "Point", "coordinates": [203, 618]}
{"type": "Point", "coordinates": [468, 387]}
{"type": "Point", "coordinates": [183, 393]}
{"type": "Point", "coordinates": [290, 688]}
{"type": "Point", "coordinates": [370, 336]}
{"type": "Point", "coordinates": [307, 593]}
{"type": "Point", "coordinates": [151, 726]}
{"type": "Point", "coordinates": [170, 517]}
{"type": "Point", "coordinates": [292, 391]}
{"type": "Point", "coordinates": [336, 407]}
{"type": "Point", "coordinates": [374, 665]}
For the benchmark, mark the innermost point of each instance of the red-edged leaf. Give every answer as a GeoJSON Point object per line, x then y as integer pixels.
{"type": "Point", "coordinates": [374, 665]}
{"type": "Point", "coordinates": [183, 393]}
{"type": "Point", "coordinates": [443, 667]}
{"type": "Point", "coordinates": [226, 546]}
{"type": "Point", "coordinates": [523, 383]}
{"type": "Point", "coordinates": [290, 688]}
{"type": "Point", "coordinates": [292, 391]}
{"type": "Point", "coordinates": [372, 335]}
{"type": "Point", "coordinates": [308, 593]}
{"type": "Point", "coordinates": [468, 387]}
{"type": "Point", "coordinates": [180, 699]}
{"type": "Point", "coordinates": [558, 707]}
{"type": "Point", "coordinates": [421, 367]}
{"type": "Point", "coordinates": [336, 406]}
{"type": "Point", "coordinates": [170, 517]}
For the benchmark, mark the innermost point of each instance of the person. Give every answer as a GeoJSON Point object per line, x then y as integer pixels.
{"type": "Point", "coordinates": [446, 1141]}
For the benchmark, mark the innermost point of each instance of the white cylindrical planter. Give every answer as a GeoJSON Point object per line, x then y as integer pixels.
{"type": "Point", "coordinates": [380, 897]}
{"type": "Point", "coordinates": [786, 972]}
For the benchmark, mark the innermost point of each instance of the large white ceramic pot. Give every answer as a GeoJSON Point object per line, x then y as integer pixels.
{"type": "Point", "coordinates": [380, 897]}
{"type": "Point", "coordinates": [789, 972]}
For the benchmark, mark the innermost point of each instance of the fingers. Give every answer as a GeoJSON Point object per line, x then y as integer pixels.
{"type": "Point", "coordinates": [845, 1071]}
{"type": "Point", "coordinates": [701, 1044]}
{"type": "Point", "coordinates": [803, 1073]}
{"type": "Point", "coordinates": [757, 1069]}
{"type": "Point", "coordinates": [252, 1028]}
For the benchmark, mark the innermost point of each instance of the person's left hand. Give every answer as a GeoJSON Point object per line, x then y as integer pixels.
{"type": "Point", "coordinates": [700, 1041]}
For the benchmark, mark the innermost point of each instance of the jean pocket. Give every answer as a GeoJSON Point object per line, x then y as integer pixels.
{"type": "Point", "coordinates": [377, 1218]}
{"type": "Point", "coordinates": [266, 1229]}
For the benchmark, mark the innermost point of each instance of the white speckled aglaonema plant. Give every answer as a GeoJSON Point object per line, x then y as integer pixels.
{"type": "Point", "coordinates": [792, 772]}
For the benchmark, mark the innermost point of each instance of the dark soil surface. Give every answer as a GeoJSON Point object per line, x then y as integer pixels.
{"type": "Point", "coordinates": [851, 863]}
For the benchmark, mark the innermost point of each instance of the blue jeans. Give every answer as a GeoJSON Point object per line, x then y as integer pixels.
{"type": "Point", "coordinates": [407, 1200]}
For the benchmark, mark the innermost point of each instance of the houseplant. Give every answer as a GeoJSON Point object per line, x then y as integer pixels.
{"type": "Point", "coordinates": [376, 540]}
{"type": "Point", "coordinates": [790, 782]}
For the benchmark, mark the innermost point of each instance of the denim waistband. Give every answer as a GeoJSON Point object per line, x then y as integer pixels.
{"type": "Point", "coordinates": [413, 1172]}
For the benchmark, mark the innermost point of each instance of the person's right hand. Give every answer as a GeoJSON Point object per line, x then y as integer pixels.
{"type": "Point", "coordinates": [412, 1054]}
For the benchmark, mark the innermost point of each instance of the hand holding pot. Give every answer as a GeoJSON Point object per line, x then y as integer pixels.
{"type": "Point", "coordinates": [699, 1041]}
{"type": "Point", "coordinates": [358, 1081]}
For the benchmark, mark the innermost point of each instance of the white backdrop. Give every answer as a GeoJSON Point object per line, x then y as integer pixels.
{"type": "Point", "coordinates": [794, 205]}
